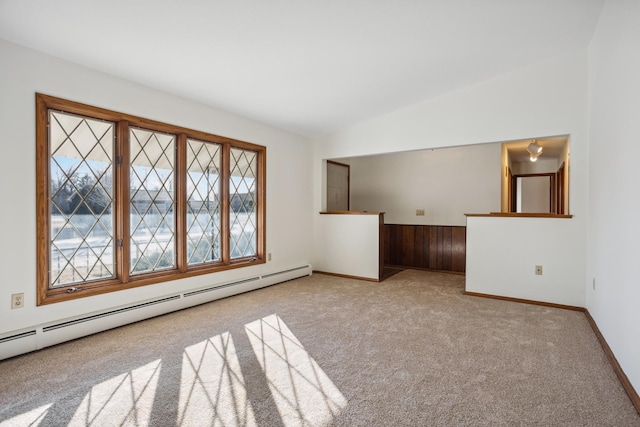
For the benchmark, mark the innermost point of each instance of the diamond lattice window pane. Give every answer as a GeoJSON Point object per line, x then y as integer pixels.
{"type": "Point", "coordinates": [203, 202]}
{"type": "Point", "coordinates": [243, 203]}
{"type": "Point", "coordinates": [81, 199]}
{"type": "Point", "coordinates": [152, 201]}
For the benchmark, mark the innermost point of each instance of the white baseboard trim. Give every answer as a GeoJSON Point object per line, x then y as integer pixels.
{"type": "Point", "coordinates": [22, 341]}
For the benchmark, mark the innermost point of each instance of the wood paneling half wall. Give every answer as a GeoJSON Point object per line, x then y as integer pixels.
{"type": "Point", "coordinates": [432, 247]}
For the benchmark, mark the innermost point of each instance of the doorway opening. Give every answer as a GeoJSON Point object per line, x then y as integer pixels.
{"type": "Point", "coordinates": [538, 182]}
{"type": "Point", "coordinates": [337, 186]}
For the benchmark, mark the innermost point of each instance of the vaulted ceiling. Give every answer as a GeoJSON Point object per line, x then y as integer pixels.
{"type": "Point", "coordinates": [308, 66]}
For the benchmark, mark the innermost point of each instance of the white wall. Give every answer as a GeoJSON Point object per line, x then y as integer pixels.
{"type": "Point", "coordinates": [502, 254]}
{"type": "Point", "coordinates": [541, 166]}
{"type": "Point", "coordinates": [349, 245]}
{"type": "Point", "coordinates": [534, 194]}
{"type": "Point", "coordinates": [23, 73]}
{"type": "Point", "coordinates": [545, 99]}
{"type": "Point", "coordinates": [446, 183]}
{"type": "Point", "coordinates": [614, 201]}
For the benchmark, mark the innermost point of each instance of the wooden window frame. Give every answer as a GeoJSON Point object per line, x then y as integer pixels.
{"type": "Point", "coordinates": [122, 280]}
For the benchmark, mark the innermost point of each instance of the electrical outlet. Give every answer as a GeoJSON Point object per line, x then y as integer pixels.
{"type": "Point", "coordinates": [594, 284]}
{"type": "Point", "coordinates": [269, 256]}
{"type": "Point", "coordinates": [17, 300]}
{"type": "Point", "coordinates": [538, 270]}
{"type": "Point", "coordinates": [420, 212]}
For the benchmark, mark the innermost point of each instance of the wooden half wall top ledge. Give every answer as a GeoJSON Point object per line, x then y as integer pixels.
{"type": "Point", "coordinates": [351, 213]}
{"type": "Point", "coordinates": [520, 215]}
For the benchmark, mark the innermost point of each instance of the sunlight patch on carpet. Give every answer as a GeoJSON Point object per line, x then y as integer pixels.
{"type": "Point", "coordinates": [212, 388]}
{"type": "Point", "coordinates": [31, 418]}
{"type": "Point", "coordinates": [126, 399]}
{"type": "Point", "coordinates": [303, 393]}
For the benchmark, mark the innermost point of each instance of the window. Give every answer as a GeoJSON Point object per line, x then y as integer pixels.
{"type": "Point", "coordinates": [152, 201]}
{"type": "Point", "coordinates": [203, 202]}
{"type": "Point", "coordinates": [124, 201]}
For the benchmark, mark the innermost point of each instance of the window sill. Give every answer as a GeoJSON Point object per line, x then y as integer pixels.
{"type": "Point", "coordinates": [91, 289]}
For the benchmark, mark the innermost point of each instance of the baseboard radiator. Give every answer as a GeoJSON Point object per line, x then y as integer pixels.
{"type": "Point", "coordinates": [40, 336]}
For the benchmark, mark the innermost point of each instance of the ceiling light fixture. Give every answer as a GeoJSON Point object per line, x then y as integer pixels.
{"type": "Point", "coordinates": [534, 151]}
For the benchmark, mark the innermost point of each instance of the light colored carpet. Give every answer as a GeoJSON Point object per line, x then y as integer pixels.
{"type": "Point", "coordinates": [322, 350]}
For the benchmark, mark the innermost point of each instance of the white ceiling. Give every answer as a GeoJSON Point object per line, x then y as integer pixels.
{"type": "Point", "coordinates": [308, 66]}
{"type": "Point", "coordinates": [552, 148]}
